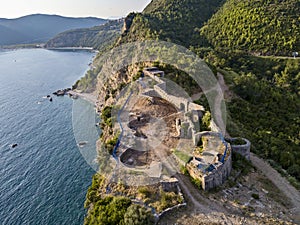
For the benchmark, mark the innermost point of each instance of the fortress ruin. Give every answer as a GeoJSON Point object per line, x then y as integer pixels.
{"type": "Point", "coordinates": [161, 126]}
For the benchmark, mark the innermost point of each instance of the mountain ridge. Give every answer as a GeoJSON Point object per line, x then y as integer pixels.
{"type": "Point", "coordinates": [37, 28]}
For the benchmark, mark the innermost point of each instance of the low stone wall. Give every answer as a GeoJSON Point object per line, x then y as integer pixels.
{"type": "Point", "coordinates": [244, 149]}
{"type": "Point", "coordinates": [193, 106]}
{"type": "Point", "coordinates": [169, 210]}
{"type": "Point", "coordinates": [180, 102]}
{"type": "Point", "coordinates": [216, 177]}
{"type": "Point", "coordinates": [150, 93]}
{"type": "Point", "coordinates": [198, 135]}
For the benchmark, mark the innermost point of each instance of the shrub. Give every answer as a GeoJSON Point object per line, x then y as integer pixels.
{"type": "Point", "coordinates": [138, 215]}
{"type": "Point", "coordinates": [255, 196]}
{"type": "Point", "coordinates": [206, 121]}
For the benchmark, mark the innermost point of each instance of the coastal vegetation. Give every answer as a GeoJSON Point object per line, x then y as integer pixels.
{"type": "Point", "coordinates": [177, 21]}
{"type": "Point", "coordinates": [133, 205]}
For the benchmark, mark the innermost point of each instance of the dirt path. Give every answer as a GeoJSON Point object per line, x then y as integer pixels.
{"type": "Point", "coordinates": [280, 182]}
{"type": "Point", "coordinates": [200, 202]}
{"type": "Point", "coordinates": [187, 188]}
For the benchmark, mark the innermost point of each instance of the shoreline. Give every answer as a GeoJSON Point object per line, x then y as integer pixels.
{"type": "Point", "coordinates": [86, 96]}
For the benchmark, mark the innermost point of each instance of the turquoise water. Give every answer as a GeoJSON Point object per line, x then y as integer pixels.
{"type": "Point", "coordinates": [45, 178]}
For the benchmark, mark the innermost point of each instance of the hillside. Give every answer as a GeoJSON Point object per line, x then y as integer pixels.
{"type": "Point", "coordinates": [97, 37]}
{"type": "Point", "coordinates": [170, 20]}
{"type": "Point", "coordinates": [263, 101]}
{"type": "Point", "coordinates": [267, 89]}
{"type": "Point", "coordinates": [9, 35]}
{"type": "Point", "coordinates": [264, 27]}
{"type": "Point", "coordinates": [39, 28]}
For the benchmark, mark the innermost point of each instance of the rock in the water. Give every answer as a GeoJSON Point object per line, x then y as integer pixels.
{"type": "Point", "coordinates": [14, 145]}
{"type": "Point", "coordinates": [82, 143]}
{"type": "Point", "coordinates": [59, 93]}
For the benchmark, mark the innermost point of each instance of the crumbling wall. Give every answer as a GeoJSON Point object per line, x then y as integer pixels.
{"type": "Point", "coordinates": [218, 176]}
{"type": "Point", "coordinates": [170, 185]}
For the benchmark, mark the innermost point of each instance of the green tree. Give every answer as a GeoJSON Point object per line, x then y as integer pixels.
{"type": "Point", "coordinates": [138, 215]}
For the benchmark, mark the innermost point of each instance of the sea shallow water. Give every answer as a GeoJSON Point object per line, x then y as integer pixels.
{"type": "Point", "coordinates": [45, 178]}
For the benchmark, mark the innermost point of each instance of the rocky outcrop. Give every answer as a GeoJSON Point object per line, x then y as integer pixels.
{"type": "Point", "coordinates": [127, 23]}
{"type": "Point", "coordinates": [61, 92]}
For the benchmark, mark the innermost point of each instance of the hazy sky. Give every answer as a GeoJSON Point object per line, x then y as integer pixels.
{"type": "Point", "coordinates": [76, 8]}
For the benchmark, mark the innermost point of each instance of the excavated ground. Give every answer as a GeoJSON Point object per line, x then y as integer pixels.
{"type": "Point", "coordinates": [154, 120]}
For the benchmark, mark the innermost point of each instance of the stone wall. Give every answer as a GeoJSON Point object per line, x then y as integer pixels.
{"type": "Point", "coordinates": [214, 178]}
{"type": "Point", "coordinates": [218, 176]}
{"type": "Point", "coordinates": [170, 185]}
{"type": "Point", "coordinates": [180, 102]}
{"type": "Point", "coordinates": [156, 78]}
{"type": "Point", "coordinates": [213, 126]}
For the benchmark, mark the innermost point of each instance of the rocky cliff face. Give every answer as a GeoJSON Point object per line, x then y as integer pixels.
{"type": "Point", "coordinates": [127, 22]}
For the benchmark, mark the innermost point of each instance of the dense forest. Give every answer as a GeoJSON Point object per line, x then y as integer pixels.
{"type": "Point", "coordinates": [268, 27]}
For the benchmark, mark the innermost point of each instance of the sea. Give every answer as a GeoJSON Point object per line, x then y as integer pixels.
{"type": "Point", "coordinates": [45, 178]}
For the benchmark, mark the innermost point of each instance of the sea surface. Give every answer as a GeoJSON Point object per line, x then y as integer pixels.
{"type": "Point", "coordinates": [45, 178]}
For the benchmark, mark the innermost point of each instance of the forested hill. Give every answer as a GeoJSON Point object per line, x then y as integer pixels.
{"type": "Point", "coordinates": [260, 26]}
{"type": "Point", "coordinates": [265, 103]}
{"type": "Point", "coordinates": [178, 21]}
{"type": "Point", "coordinates": [39, 28]}
{"type": "Point", "coordinates": [98, 37]}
